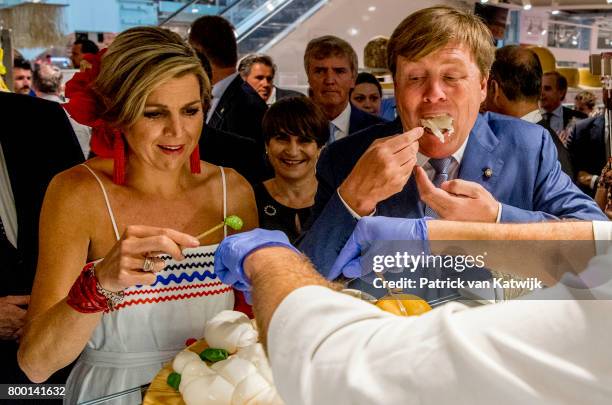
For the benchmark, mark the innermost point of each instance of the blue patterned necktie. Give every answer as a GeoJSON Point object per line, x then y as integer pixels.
{"type": "Point", "coordinates": [441, 167]}
{"type": "Point", "coordinates": [332, 132]}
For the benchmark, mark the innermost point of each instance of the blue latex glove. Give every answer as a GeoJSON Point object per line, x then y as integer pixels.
{"type": "Point", "coordinates": [233, 250]}
{"type": "Point", "coordinates": [369, 237]}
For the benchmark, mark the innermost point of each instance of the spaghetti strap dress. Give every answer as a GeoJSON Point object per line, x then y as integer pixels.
{"type": "Point", "coordinates": [132, 342]}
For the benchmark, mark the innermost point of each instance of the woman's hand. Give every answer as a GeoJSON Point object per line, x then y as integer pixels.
{"type": "Point", "coordinates": [123, 266]}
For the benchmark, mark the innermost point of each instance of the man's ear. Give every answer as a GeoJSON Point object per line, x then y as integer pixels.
{"type": "Point", "coordinates": [494, 90]}
{"type": "Point", "coordinates": [484, 84]}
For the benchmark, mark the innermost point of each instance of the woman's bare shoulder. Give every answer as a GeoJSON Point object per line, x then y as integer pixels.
{"type": "Point", "coordinates": [77, 184]}
{"type": "Point", "coordinates": [237, 183]}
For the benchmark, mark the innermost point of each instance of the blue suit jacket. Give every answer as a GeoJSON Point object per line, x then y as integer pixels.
{"type": "Point", "coordinates": [527, 180]}
{"type": "Point", "coordinates": [360, 120]}
{"type": "Point", "coordinates": [240, 111]}
{"type": "Point", "coordinates": [588, 147]}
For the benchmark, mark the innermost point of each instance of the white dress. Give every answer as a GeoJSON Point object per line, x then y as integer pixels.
{"type": "Point", "coordinates": [131, 343]}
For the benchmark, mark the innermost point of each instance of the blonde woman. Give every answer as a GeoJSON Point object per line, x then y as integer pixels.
{"type": "Point", "coordinates": [152, 285]}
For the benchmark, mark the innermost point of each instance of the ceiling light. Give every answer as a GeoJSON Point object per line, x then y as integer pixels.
{"type": "Point", "coordinates": [353, 31]}
{"type": "Point", "coordinates": [484, 1]}
{"type": "Point", "coordinates": [372, 9]}
{"type": "Point", "coordinates": [526, 4]}
{"type": "Point", "coordinates": [543, 32]}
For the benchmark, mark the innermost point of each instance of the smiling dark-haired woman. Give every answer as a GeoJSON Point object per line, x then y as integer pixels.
{"type": "Point", "coordinates": [295, 130]}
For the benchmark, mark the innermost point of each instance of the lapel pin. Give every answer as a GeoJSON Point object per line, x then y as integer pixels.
{"type": "Point", "coordinates": [488, 172]}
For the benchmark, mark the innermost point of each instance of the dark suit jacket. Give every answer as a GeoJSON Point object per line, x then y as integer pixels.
{"type": "Point", "coordinates": [361, 120]}
{"type": "Point", "coordinates": [569, 114]}
{"type": "Point", "coordinates": [240, 112]}
{"type": "Point", "coordinates": [529, 184]}
{"type": "Point", "coordinates": [562, 153]}
{"type": "Point", "coordinates": [588, 147]}
{"type": "Point", "coordinates": [38, 142]}
{"type": "Point", "coordinates": [283, 93]}
{"type": "Point", "coordinates": [231, 150]}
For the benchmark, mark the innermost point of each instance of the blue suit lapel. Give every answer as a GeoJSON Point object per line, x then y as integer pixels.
{"type": "Point", "coordinates": [481, 154]}
{"type": "Point", "coordinates": [354, 119]}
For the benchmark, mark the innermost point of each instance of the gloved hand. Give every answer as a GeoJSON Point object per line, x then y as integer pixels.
{"type": "Point", "coordinates": [366, 238]}
{"type": "Point", "coordinates": [233, 250]}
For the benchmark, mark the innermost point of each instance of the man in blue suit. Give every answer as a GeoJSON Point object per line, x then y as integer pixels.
{"type": "Point", "coordinates": [489, 168]}
{"type": "Point", "coordinates": [331, 66]}
{"type": "Point", "coordinates": [589, 151]}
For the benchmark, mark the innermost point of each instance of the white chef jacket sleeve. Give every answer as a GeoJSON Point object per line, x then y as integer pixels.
{"type": "Point", "coordinates": [329, 348]}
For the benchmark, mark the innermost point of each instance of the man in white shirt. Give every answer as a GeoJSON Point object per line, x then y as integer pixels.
{"type": "Point", "coordinates": [331, 66]}
{"type": "Point", "coordinates": [46, 83]}
{"type": "Point", "coordinates": [329, 348]}
{"type": "Point", "coordinates": [259, 71]}
{"type": "Point", "coordinates": [559, 118]}
{"type": "Point", "coordinates": [514, 88]}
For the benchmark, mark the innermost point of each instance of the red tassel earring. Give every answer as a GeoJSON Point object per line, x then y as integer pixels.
{"type": "Point", "coordinates": [194, 160]}
{"type": "Point", "coordinates": [119, 158]}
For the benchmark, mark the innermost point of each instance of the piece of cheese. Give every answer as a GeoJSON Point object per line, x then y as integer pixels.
{"type": "Point", "coordinates": [230, 330]}
{"type": "Point", "coordinates": [181, 360]}
{"type": "Point", "coordinates": [438, 124]}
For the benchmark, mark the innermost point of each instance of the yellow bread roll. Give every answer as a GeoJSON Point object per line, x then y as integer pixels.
{"type": "Point", "coordinates": [413, 304]}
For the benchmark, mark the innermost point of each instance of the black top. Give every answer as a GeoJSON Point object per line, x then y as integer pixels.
{"type": "Point", "coordinates": [276, 216]}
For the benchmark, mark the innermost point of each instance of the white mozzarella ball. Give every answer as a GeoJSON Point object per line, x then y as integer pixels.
{"type": "Point", "coordinates": [230, 330]}
{"type": "Point", "coordinates": [195, 394]}
{"type": "Point", "coordinates": [255, 354]}
{"type": "Point", "coordinates": [268, 396]}
{"type": "Point", "coordinates": [234, 369]}
{"type": "Point", "coordinates": [208, 390]}
{"type": "Point", "coordinates": [182, 359]}
{"type": "Point", "coordinates": [193, 369]}
{"type": "Point", "coordinates": [249, 388]}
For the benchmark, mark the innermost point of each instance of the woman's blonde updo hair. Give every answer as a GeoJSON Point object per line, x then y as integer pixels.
{"type": "Point", "coordinates": [139, 60]}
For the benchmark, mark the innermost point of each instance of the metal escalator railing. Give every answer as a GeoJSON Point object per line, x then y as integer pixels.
{"type": "Point", "coordinates": [246, 15]}
{"type": "Point", "coordinates": [262, 30]}
{"type": "Point", "coordinates": [258, 23]}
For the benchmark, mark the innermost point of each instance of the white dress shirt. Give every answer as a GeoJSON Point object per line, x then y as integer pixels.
{"type": "Point", "coordinates": [217, 92]}
{"type": "Point", "coordinates": [342, 122]}
{"type": "Point", "coordinates": [556, 119]}
{"type": "Point", "coordinates": [272, 99]}
{"type": "Point", "coordinates": [534, 116]}
{"type": "Point", "coordinates": [82, 132]}
{"type": "Point", "coordinates": [326, 347]}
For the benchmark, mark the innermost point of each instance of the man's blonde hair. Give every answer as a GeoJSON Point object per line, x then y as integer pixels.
{"type": "Point", "coordinates": [430, 29]}
{"type": "Point", "coordinates": [139, 60]}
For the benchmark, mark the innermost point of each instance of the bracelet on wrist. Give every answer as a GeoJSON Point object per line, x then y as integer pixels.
{"type": "Point", "coordinates": [88, 296]}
